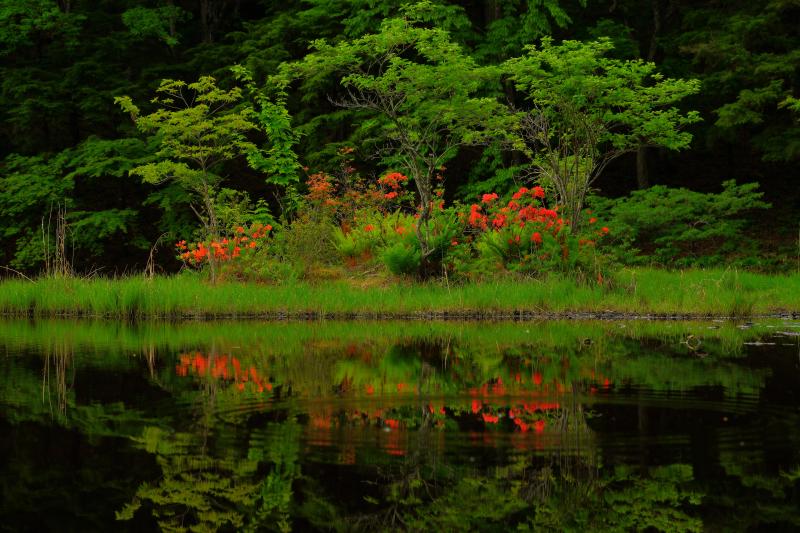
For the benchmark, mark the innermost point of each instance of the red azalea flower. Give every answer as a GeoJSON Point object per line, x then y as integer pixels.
{"type": "Point", "coordinates": [489, 198]}
{"type": "Point", "coordinates": [499, 221]}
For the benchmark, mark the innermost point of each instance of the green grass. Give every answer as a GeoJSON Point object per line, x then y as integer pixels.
{"type": "Point", "coordinates": [641, 292]}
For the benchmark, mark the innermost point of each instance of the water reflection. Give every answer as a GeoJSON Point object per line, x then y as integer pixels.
{"type": "Point", "coordinates": [562, 426]}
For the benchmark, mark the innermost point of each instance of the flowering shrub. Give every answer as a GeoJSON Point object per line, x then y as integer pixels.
{"type": "Point", "coordinates": [362, 222]}
{"type": "Point", "coordinates": [520, 234]}
{"type": "Point", "coordinates": [226, 249]}
{"type": "Point", "coordinates": [524, 235]}
{"type": "Point", "coordinates": [376, 232]}
{"type": "Point", "coordinates": [376, 227]}
{"type": "Point", "coordinates": [371, 233]}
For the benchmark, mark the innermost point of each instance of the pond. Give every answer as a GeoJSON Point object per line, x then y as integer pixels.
{"type": "Point", "coordinates": [582, 426]}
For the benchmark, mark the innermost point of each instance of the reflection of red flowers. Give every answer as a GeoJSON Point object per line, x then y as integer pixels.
{"type": "Point", "coordinates": [490, 418]}
{"type": "Point", "coordinates": [538, 426]}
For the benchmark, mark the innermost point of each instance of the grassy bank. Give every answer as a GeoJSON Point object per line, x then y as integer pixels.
{"type": "Point", "coordinates": [641, 292]}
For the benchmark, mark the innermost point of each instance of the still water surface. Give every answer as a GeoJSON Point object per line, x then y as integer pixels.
{"type": "Point", "coordinates": [106, 426]}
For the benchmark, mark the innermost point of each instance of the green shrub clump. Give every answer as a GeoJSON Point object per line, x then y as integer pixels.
{"type": "Point", "coordinates": [679, 227]}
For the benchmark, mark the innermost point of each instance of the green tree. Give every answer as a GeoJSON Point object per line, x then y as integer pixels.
{"type": "Point", "coordinates": [509, 25]}
{"type": "Point", "coordinates": [423, 97]}
{"type": "Point", "coordinates": [747, 56]}
{"type": "Point", "coordinates": [159, 22]}
{"type": "Point", "coordinates": [199, 128]}
{"type": "Point", "coordinates": [587, 109]}
{"type": "Point", "coordinates": [33, 188]}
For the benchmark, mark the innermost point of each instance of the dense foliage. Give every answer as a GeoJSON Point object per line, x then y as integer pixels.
{"type": "Point", "coordinates": [465, 98]}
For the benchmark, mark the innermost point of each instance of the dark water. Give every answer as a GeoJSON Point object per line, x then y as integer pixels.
{"type": "Point", "coordinates": [384, 426]}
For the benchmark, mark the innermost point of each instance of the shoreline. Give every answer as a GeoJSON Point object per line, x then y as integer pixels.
{"type": "Point", "coordinates": [442, 316]}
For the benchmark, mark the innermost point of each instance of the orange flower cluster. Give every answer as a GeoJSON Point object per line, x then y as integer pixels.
{"type": "Point", "coordinates": [393, 180]}
{"type": "Point", "coordinates": [225, 249]}
{"type": "Point", "coordinates": [320, 188]}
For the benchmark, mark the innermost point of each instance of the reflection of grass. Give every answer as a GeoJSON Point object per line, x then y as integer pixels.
{"type": "Point", "coordinates": [441, 357]}
{"type": "Point", "coordinates": [359, 339]}
{"type": "Point", "coordinates": [698, 292]}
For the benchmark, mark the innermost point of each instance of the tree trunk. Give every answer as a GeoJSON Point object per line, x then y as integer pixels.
{"type": "Point", "coordinates": [212, 230]}
{"type": "Point", "coordinates": [424, 216]}
{"type": "Point", "coordinates": [491, 12]}
{"type": "Point", "coordinates": [642, 168]}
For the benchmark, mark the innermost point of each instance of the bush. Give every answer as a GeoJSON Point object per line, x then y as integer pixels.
{"type": "Point", "coordinates": [309, 241]}
{"type": "Point", "coordinates": [523, 235]}
{"type": "Point", "coordinates": [402, 258]}
{"type": "Point", "coordinates": [679, 227]}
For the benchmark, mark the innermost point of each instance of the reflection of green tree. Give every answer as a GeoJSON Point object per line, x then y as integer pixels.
{"type": "Point", "coordinates": [760, 495]}
{"type": "Point", "coordinates": [659, 499]}
{"type": "Point", "coordinates": [558, 492]}
{"type": "Point", "coordinates": [199, 491]}
{"type": "Point", "coordinates": [282, 450]}
{"type": "Point", "coordinates": [48, 396]}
